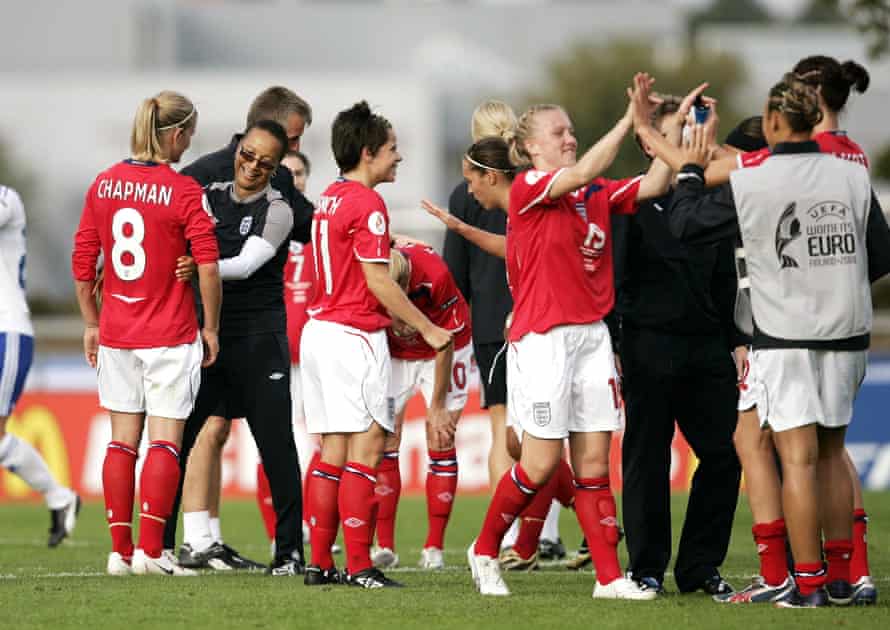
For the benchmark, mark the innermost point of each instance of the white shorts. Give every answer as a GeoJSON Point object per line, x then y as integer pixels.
{"type": "Point", "coordinates": [564, 381]}
{"type": "Point", "coordinates": [345, 375]}
{"type": "Point", "coordinates": [296, 393]}
{"type": "Point", "coordinates": [802, 387]}
{"type": "Point", "coordinates": [159, 382]}
{"type": "Point", "coordinates": [408, 376]}
{"type": "Point", "coordinates": [750, 389]}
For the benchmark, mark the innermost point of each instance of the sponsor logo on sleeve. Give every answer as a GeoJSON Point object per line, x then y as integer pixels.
{"type": "Point", "coordinates": [377, 223]}
{"type": "Point", "coordinates": [533, 177]}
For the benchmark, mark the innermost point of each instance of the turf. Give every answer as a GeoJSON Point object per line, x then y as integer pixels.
{"type": "Point", "coordinates": [65, 587]}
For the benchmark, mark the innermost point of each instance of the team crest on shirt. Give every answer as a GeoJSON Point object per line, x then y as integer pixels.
{"type": "Point", "coordinates": [541, 413]}
{"type": "Point", "coordinates": [377, 223]}
{"type": "Point", "coordinates": [244, 228]}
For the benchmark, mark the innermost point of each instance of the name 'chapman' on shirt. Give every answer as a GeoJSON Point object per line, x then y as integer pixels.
{"type": "Point", "coordinates": [134, 191]}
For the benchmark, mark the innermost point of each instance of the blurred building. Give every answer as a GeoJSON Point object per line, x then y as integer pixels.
{"type": "Point", "coordinates": [73, 73]}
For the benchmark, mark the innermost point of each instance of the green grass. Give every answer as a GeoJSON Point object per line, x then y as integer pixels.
{"type": "Point", "coordinates": [65, 587]}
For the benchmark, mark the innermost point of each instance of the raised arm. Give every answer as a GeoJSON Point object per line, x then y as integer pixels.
{"type": "Point", "coordinates": [597, 159]}
{"type": "Point", "coordinates": [697, 214]}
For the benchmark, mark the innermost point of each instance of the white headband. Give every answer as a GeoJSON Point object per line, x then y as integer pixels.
{"type": "Point", "coordinates": [487, 168]}
{"type": "Point", "coordinates": [180, 123]}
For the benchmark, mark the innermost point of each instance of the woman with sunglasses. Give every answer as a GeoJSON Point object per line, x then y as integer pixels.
{"type": "Point", "coordinates": [252, 378]}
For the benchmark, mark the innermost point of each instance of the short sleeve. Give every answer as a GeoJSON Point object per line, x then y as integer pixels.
{"type": "Point", "coordinates": [752, 158]}
{"type": "Point", "coordinates": [197, 219]}
{"type": "Point", "coordinates": [10, 205]}
{"type": "Point", "coordinates": [622, 194]}
{"type": "Point", "coordinates": [370, 231]}
{"type": "Point", "coordinates": [532, 188]}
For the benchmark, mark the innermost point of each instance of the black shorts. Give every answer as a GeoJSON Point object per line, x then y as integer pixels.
{"type": "Point", "coordinates": [242, 370]}
{"type": "Point", "coordinates": [492, 372]}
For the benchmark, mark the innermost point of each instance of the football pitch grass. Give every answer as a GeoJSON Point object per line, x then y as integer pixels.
{"type": "Point", "coordinates": [66, 587]}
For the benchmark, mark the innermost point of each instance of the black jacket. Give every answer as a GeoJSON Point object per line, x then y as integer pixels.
{"type": "Point", "coordinates": [662, 284]}
{"type": "Point", "coordinates": [219, 166]}
{"type": "Point", "coordinates": [481, 277]}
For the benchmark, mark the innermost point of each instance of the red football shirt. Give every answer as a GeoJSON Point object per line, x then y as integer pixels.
{"type": "Point", "coordinates": [142, 216]}
{"type": "Point", "coordinates": [432, 290]}
{"type": "Point", "coordinates": [350, 226]}
{"type": "Point", "coordinates": [299, 284]}
{"type": "Point", "coordinates": [559, 251]}
{"type": "Point", "coordinates": [835, 142]}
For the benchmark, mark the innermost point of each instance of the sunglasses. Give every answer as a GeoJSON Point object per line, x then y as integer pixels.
{"type": "Point", "coordinates": [263, 165]}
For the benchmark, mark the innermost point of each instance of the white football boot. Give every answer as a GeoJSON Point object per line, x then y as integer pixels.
{"type": "Point", "coordinates": [623, 588]}
{"type": "Point", "coordinates": [486, 574]}
{"type": "Point", "coordinates": [162, 565]}
{"type": "Point", "coordinates": [432, 558]}
{"type": "Point", "coordinates": [117, 565]}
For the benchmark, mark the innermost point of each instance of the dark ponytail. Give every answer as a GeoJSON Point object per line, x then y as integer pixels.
{"type": "Point", "coordinates": [834, 79]}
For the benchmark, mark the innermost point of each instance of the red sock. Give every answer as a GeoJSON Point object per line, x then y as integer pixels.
{"type": "Point", "coordinates": [513, 494]}
{"type": "Point", "coordinates": [564, 490]}
{"type": "Point", "coordinates": [859, 561]}
{"type": "Point", "coordinates": [595, 509]}
{"type": "Point", "coordinates": [387, 492]}
{"type": "Point", "coordinates": [837, 555]}
{"type": "Point", "coordinates": [157, 491]}
{"type": "Point", "coordinates": [810, 576]}
{"type": "Point", "coordinates": [264, 500]}
{"type": "Point", "coordinates": [533, 517]}
{"type": "Point", "coordinates": [357, 505]}
{"type": "Point", "coordinates": [324, 513]}
{"type": "Point", "coordinates": [441, 487]}
{"type": "Point", "coordinates": [770, 541]}
{"type": "Point", "coordinates": [307, 479]}
{"type": "Point", "coordinates": [119, 487]}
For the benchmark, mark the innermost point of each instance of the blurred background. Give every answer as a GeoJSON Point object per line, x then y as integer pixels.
{"type": "Point", "coordinates": [72, 74]}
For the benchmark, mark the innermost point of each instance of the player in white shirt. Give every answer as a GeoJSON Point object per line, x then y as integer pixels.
{"type": "Point", "coordinates": [16, 354]}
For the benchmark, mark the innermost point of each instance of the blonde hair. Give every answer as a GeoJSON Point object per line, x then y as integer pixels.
{"type": "Point", "coordinates": [525, 127]}
{"type": "Point", "coordinates": [399, 268]}
{"type": "Point", "coordinates": [166, 111]}
{"type": "Point", "coordinates": [493, 118]}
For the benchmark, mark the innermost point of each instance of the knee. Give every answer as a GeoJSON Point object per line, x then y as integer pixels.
{"type": "Point", "coordinates": [218, 430]}
{"type": "Point", "coordinates": [514, 447]}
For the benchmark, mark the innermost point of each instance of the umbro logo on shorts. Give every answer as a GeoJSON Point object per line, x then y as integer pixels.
{"type": "Point", "coordinates": [276, 376]}
{"type": "Point", "coordinates": [353, 522]}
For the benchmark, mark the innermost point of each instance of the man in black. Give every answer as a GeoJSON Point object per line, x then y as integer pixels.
{"type": "Point", "coordinates": [292, 113]}
{"type": "Point", "coordinates": [674, 306]}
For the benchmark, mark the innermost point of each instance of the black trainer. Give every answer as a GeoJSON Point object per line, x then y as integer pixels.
{"type": "Point", "coordinates": [840, 593]}
{"type": "Point", "coordinates": [716, 586]}
{"type": "Point", "coordinates": [286, 566]}
{"type": "Point", "coordinates": [191, 559]}
{"type": "Point", "coordinates": [794, 599]}
{"type": "Point", "coordinates": [237, 561]}
{"type": "Point", "coordinates": [551, 549]}
{"type": "Point", "coordinates": [316, 576]}
{"type": "Point", "coordinates": [62, 521]}
{"type": "Point", "coordinates": [371, 578]}
{"type": "Point", "coordinates": [649, 583]}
